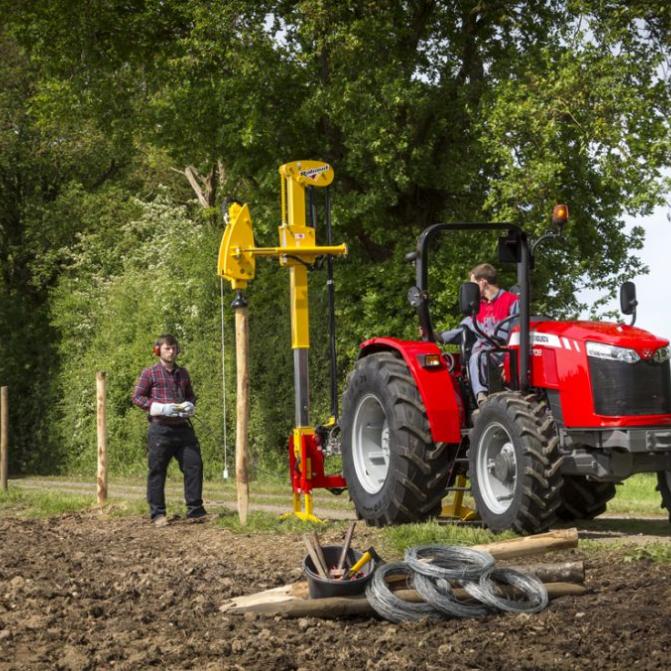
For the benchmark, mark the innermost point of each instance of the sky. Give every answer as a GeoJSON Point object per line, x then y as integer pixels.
{"type": "Point", "coordinates": [653, 291]}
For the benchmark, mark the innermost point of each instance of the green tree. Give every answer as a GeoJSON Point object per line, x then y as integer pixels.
{"type": "Point", "coordinates": [430, 110]}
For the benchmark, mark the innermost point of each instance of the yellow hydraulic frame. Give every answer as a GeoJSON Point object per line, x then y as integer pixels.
{"type": "Point", "coordinates": [297, 250]}
{"type": "Point", "coordinates": [457, 510]}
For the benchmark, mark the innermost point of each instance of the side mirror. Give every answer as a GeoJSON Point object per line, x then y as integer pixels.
{"type": "Point", "coordinates": [469, 299]}
{"type": "Point", "coordinates": [628, 300]}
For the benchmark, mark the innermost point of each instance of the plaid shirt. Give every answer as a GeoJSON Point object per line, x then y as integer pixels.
{"type": "Point", "coordinates": [164, 386]}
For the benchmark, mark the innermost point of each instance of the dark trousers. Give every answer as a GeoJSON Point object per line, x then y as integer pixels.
{"type": "Point", "coordinates": [180, 442]}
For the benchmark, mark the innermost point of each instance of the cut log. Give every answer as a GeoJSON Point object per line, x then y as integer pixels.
{"type": "Point", "coordinates": [570, 571]}
{"type": "Point", "coordinates": [567, 572]}
{"type": "Point", "coordinates": [344, 606]}
{"type": "Point", "coordinates": [561, 539]}
{"type": "Point", "coordinates": [573, 572]}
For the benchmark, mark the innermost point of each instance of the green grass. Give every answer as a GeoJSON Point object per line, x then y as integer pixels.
{"type": "Point", "coordinates": [656, 552]}
{"type": "Point", "coordinates": [271, 523]}
{"type": "Point", "coordinates": [43, 504]}
{"type": "Point", "coordinates": [397, 539]}
{"type": "Point", "coordinates": [637, 495]}
{"type": "Point", "coordinates": [625, 550]}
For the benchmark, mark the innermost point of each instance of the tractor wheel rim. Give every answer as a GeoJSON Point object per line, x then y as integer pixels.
{"type": "Point", "coordinates": [370, 444]}
{"type": "Point", "coordinates": [496, 468]}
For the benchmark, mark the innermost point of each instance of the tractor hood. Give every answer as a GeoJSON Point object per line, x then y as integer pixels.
{"type": "Point", "coordinates": [572, 334]}
{"type": "Point", "coordinates": [607, 375]}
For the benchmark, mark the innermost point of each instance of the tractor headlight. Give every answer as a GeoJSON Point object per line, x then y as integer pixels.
{"type": "Point", "coordinates": [600, 350]}
{"type": "Point", "coordinates": [661, 355]}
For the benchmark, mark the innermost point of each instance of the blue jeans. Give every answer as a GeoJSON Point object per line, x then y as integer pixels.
{"type": "Point", "coordinates": [180, 442]}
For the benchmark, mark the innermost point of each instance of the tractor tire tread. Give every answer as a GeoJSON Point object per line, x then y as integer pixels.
{"type": "Point", "coordinates": [419, 469]}
{"type": "Point", "coordinates": [584, 499]}
{"type": "Point", "coordinates": [541, 483]}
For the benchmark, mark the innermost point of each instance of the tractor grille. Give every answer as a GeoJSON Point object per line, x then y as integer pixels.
{"type": "Point", "coordinates": [642, 388]}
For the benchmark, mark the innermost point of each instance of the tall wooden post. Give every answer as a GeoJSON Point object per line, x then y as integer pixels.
{"type": "Point", "coordinates": [4, 437]}
{"type": "Point", "coordinates": [101, 479]}
{"type": "Point", "coordinates": [242, 409]}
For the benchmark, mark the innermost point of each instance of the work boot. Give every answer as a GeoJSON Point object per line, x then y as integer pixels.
{"type": "Point", "coordinates": [160, 521]}
{"type": "Point", "coordinates": [481, 398]}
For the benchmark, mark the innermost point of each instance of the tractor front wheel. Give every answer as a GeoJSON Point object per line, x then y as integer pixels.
{"type": "Point", "coordinates": [664, 488]}
{"type": "Point", "coordinates": [584, 499]}
{"type": "Point", "coordinates": [514, 464]}
{"type": "Point", "coordinates": [395, 472]}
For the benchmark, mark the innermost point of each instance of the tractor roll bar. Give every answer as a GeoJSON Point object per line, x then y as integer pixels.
{"type": "Point", "coordinates": [518, 246]}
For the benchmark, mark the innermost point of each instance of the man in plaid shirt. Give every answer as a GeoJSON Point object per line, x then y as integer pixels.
{"type": "Point", "coordinates": [164, 391]}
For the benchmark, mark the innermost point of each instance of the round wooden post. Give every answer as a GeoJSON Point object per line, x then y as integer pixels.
{"type": "Point", "coordinates": [102, 437]}
{"type": "Point", "coordinates": [242, 409]}
{"type": "Point", "coordinates": [4, 437]}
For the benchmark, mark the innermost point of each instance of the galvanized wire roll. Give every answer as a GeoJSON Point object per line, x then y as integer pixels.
{"type": "Point", "coordinates": [389, 606]}
{"type": "Point", "coordinates": [449, 562]}
{"type": "Point", "coordinates": [534, 593]}
{"type": "Point", "coordinates": [438, 593]}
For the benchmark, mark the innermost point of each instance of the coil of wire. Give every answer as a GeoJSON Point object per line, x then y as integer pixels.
{"type": "Point", "coordinates": [388, 605]}
{"type": "Point", "coordinates": [438, 593]}
{"type": "Point", "coordinates": [533, 591]}
{"type": "Point", "coordinates": [449, 562]}
{"type": "Point", "coordinates": [430, 570]}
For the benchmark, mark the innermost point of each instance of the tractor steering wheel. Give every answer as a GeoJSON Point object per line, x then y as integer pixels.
{"type": "Point", "coordinates": [498, 326]}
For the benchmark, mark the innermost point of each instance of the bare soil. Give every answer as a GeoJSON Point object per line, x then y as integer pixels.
{"type": "Point", "coordinates": [79, 592]}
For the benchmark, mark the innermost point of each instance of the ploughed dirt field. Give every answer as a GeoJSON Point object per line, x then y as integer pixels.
{"type": "Point", "coordinates": [78, 592]}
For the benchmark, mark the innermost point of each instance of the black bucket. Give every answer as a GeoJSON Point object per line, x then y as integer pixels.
{"type": "Point", "coordinates": [321, 588]}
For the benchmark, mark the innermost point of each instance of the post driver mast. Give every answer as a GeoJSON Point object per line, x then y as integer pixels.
{"type": "Point", "coordinates": [298, 251]}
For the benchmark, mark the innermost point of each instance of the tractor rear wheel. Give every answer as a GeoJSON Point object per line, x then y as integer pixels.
{"type": "Point", "coordinates": [664, 488]}
{"type": "Point", "coordinates": [514, 464]}
{"type": "Point", "coordinates": [395, 472]}
{"type": "Point", "coordinates": [584, 499]}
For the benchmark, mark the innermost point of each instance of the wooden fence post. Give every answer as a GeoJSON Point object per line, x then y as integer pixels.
{"type": "Point", "coordinates": [242, 410]}
{"type": "Point", "coordinates": [4, 437]}
{"type": "Point", "coordinates": [102, 437]}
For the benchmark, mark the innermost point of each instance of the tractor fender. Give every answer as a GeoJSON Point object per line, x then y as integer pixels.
{"type": "Point", "coordinates": [438, 389]}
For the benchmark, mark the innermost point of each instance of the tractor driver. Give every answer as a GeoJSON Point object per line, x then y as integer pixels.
{"type": "Point", "coordinates": [495, 305]}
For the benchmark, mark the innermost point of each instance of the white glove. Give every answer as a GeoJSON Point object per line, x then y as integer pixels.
{"type": "Point", "coordinates": [165, 409]}
{"type": "Point", "coordinates": [186, 409]}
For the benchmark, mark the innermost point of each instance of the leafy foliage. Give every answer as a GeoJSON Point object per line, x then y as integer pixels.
{"type": "Point", "coordinates": [429, 111]}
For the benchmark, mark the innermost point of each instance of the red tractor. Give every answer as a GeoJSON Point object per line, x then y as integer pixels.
{"type": "Point", "coordinates": [573, 408]}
